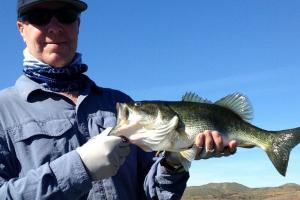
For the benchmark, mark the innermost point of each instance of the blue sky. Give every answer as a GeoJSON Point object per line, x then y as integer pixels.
{"type": "Point", "coordinates": [160, 49]}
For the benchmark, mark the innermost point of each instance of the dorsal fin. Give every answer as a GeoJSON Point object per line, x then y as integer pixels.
{"type": "Point", "coordinates": [192, 97]}
{"type": "Point", "coordinates": [239, 104]}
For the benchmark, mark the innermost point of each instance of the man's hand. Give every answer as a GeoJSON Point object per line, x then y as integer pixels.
{"type": "Point", "coordinates": [102, 155]}
{"type": "Point", "coordinates": [211, 144]}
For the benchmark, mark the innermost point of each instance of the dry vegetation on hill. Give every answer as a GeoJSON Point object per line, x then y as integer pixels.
{"type": "Point", "coordinates": [235, 191]}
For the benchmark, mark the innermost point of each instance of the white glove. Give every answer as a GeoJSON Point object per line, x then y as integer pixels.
{"type": "Point", "coordinates": [102, 155]}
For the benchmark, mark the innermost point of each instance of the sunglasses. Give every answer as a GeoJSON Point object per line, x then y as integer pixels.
{"type": "Point", "coordinates": [42, 17]}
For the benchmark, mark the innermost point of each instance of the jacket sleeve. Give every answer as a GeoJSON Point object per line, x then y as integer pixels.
{"type": "Point", "coordinates": [163, 184]}
{"type": "Point", "coordinates": [63, 178]}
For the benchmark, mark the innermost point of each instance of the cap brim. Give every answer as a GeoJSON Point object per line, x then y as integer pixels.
{"type": "Point", "coordinates": [79, 5]}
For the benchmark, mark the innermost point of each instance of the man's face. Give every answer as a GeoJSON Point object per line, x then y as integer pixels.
{"type": "Point", "coordinates": [54, 43]}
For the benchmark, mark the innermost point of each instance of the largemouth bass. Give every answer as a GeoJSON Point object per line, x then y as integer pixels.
{"type": "Point", "coordinates": [173, 126]}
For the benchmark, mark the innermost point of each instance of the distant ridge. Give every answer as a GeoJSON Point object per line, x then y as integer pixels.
{"type": "Point", "coordinates": [236, 191]}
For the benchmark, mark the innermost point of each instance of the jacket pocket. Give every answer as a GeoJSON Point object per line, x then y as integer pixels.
{"type": "Point", "coordinates": [40, 142]}
{"type": "Point", "coordinates": [31, 129]}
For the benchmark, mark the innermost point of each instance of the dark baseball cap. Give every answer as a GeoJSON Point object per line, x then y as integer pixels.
{"type": "Point", "coordinates": [25, 5]}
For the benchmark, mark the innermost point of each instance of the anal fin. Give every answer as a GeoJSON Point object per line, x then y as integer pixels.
{"type": "Point", "coordinates": [188, 156]}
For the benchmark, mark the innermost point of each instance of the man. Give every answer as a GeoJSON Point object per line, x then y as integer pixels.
{"type": "Point", "coordinates": [50, 120]}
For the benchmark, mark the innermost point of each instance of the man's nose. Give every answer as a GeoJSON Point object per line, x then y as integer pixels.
{"type": "Point", "coordinates": [54, 26]}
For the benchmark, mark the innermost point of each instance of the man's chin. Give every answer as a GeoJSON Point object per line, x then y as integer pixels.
{"type": "Point", "coordinates": [58, 60]}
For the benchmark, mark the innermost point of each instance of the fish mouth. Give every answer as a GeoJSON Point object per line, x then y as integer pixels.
{"type": "Point", "coordinates": [125, 126]}
{"type": "Point", "coordinates": [122, 116]}
{"type": "Point", "coordinates": [122, 111]}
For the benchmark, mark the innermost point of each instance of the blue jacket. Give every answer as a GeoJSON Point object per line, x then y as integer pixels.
{"type": "Point", "coordinates": [39, 132]}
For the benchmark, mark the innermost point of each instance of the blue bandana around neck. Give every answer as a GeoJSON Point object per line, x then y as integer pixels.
{"type": "Point", "coordinates": [69, 78]}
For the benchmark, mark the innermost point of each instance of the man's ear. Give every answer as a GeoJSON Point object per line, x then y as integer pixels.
{"type": "Point", "coordinates": [20, 26]}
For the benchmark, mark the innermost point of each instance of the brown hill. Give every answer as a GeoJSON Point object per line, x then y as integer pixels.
{"type": "Point", "coordinates": [235, 191]}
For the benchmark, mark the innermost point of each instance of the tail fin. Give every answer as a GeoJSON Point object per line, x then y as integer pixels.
{"type": "Point", "coordinates": [279, 150]}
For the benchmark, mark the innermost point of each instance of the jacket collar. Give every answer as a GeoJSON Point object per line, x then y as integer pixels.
{"type": "Point", "coordinates": [26, 87]}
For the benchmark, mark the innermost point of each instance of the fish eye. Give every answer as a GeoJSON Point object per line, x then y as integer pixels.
{"type": "Point", "coordinates": [137, 103]}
